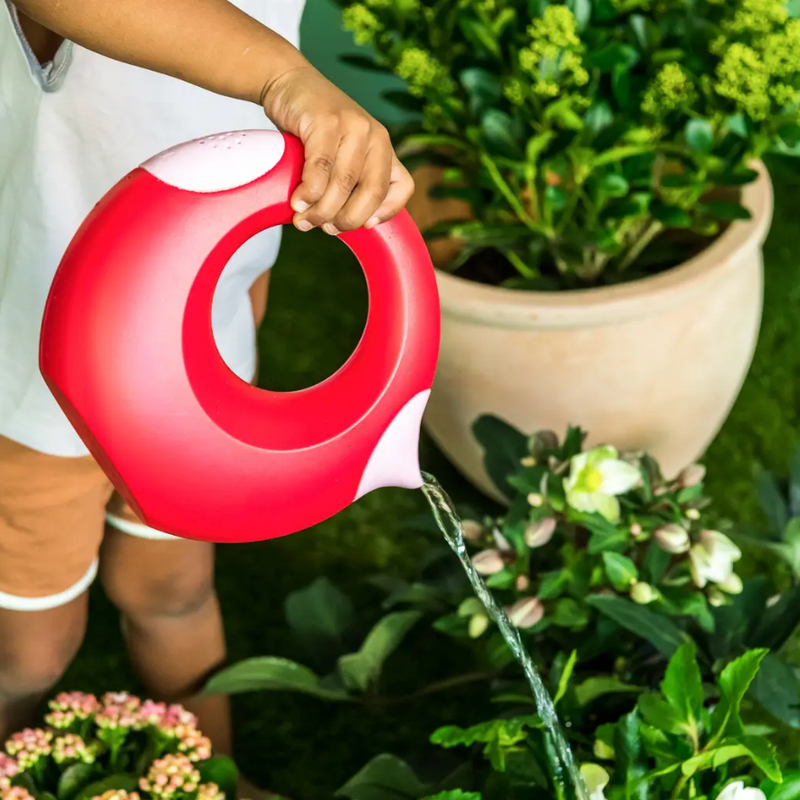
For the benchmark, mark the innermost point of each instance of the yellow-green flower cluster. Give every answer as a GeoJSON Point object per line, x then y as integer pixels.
{"type": "Point", "coordinates": [362, 23]}
{"type": "Point", "coordinates": [515, 91]}
{"type": "Point", "coordinates": [759, 53]}
{"type": "Point", "coordinates": [553, 56]}
{"type": "Point", "coordinates": [423, 73]}
{"type": "Point", "coordinates": [756, 16]}
{"type": "Point", "coordinates": [671, 90]}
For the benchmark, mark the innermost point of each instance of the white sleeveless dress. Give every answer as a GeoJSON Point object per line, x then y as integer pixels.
{"type": "Point", "coordinates": [68, 133]}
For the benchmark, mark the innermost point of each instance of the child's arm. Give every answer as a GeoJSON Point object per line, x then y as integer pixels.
{"type": "Point", "coordinates": [352, 176]}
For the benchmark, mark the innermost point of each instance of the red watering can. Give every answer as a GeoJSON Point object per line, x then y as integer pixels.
{"type": "Point", "coordinates": [128, 351]}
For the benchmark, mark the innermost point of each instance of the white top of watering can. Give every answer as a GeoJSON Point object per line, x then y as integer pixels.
{"type": "Point", "coordinates": [68, 133]}
{"type": "Point", "coordinates": [220, 162]}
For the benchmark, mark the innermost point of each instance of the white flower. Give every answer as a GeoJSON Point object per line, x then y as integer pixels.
{"type": "Point", "coordinates": [525, 613]}
{"type": "Point", "coordinates": [713, 558]}
{"type": "Point", "coordinates": [732, 584]}
{"type": "Point", "coordinates": [488, 562]}
{"type": "Point", "coordinates": [736, 791]}
{"type": "Point", "coordinates": [538, 534]}
{"type": "Point", "coordinates": [672, 538]}
{"type": "Point", "coordinates": [596, 478]}
{"type": "Point", "coordinates": [643, 593]}
{"type": "Point", "coordinates": [596, 779]}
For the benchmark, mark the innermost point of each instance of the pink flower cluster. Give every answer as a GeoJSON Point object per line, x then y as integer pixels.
{"type": "Point", "coordinates": [29, 746]}
{"type": "Point", "coordinates": [209, 791]}
{"type": "Point", "coordinates": [177, 723]}
{"type": "Point", "coordinates": [117, 794]}
{"type": "Point", "coordinates": [171, 774]}
{"type": "Point", "coordinates": [8, 769]}
{"type": "Point", "coordinates": [15, 793]}
{"type": "Point", "coordinates": [119, 710]}
{"type": "Point", "coordinates": [72, 748]}
{"type": "Point", "coordinates": [66, 707]}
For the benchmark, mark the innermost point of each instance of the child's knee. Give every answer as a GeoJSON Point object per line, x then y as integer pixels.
{"type": "Point", "coordinates": [29, 668]}
{"type": "Point", "coordinates": [169, 594]}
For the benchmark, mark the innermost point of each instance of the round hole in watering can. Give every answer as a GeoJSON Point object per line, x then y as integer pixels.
{"type": "Point", "coordinates": [316, 311]}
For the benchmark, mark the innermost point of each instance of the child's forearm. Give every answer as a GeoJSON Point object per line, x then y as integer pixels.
{"type": "Point", "coordinates": [209, 43]}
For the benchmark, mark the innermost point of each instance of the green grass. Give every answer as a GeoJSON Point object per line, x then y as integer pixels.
{"type": "Point", "coordinates": [306, 748]}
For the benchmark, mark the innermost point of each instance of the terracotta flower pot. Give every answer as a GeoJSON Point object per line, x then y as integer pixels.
{"type": "Point", "coordinates": [654, 365]}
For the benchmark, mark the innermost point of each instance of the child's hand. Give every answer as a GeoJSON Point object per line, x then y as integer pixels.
{"type": "Point", "coordinates": [352, 177]}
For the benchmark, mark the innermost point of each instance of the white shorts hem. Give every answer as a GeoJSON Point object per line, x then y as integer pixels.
{"type": "Point", "coordinates": [137, 529]}
{"type": "Point", "coordinates": [12, 602]}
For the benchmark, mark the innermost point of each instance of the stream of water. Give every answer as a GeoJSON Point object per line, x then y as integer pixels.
{"type": "Point", "coordinates": [564, 769]}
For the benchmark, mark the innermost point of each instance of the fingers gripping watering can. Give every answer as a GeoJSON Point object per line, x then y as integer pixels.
{"type": "Point", "coordinates": [128, 351]}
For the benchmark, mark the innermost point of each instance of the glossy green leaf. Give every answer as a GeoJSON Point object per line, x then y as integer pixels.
{"type": "Point", "coordinates": [683, 684]}
{"type": "Point", "coordinates": [364, 62]}
{"type": "Point", "coordinates": [269, 673]}
{"type": "Point", "coordinates": [582, 11]}
{"type": "Point", "coordinates": [386, 777]}
{"type": "Point", "coordinates": [772, 500]}
{"type": "Point", "coordinates": [700, 135]}
{"type": "Point", "coordinates": [321, 616]}
{"type": "Point", "coordinates": [360, 670]}
{"type": "Point", "coordinates": [660, 714]}
{"type": "Point", "coordinates": [734, 682]}
{"type": "Point", "coordinates": [777, 690]}
{"type": "Point", "coordinates": [663, 634]}
{"type": "Point", "coordinates": [599, 686]}
{"type": "Point", "coordinates": [504, 447]}
{"type": "Point", "coordinates": [788, 788]}
{"type": "Point", "coordinates": [621, 570]}
{"type": "Point", "coordinates": [566, 676]}
{"type": "Point", "coordinates": [613, 55]}
{"type": "Point", "coordinates": [479, 35]}
{"type": "Point", "coordinates": [569, 613]}
{"type": "Point", "coordinates": [726, 211]}
{"type": "Point", "coordinates": [73, 779]}
{"type": "Point", "coordinates": [221, 770]}
{"type": "Point", "coordinates": [127, 783]}
{"type": "Point", "coordinates": [484, 87]}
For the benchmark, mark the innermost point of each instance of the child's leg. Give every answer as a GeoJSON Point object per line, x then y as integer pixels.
{"type": "Point", "coordinates": [164, 590]}
{"type": "Point", "coordinates": [51, 523]}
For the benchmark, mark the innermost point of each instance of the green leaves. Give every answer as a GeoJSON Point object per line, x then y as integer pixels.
{"type": "Point", "coordinates": [73, 779]}
{"type": "Point", "coordinates": [621, 570]}
{"type": "Point", "coordinates": [664, 635]}
{"type": "Point", "coordinates": [734, 683]}
{"type": "Point", "coordinates": [359, 670]}
{"type": "Point", "coordinates": [504, 447]}
{"type": "Point", "coordinates": [683, 685]}
{"type": "Point", "coordinates": [270, 673]}
{"type": "Point", "coordinates": [700, 135]}
{"type": "Point", "coordinates": [484, 87]}
{"type": "Point", "coordinates": [127, 783]}
{"type": "Point", "coordinates": [500, 737]}
{"type": "Point", "coordinates": [321, 616]}
{"type": "Point", "coordinates": [385, 778]}
{"type": "Point", "coordinates": [502, 133]}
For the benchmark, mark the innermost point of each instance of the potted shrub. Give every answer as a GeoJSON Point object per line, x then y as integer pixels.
{"type": "Point", "coordinates": [597, 203]}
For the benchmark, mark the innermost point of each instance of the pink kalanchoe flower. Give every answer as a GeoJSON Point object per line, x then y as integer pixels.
{"type": "Point", "coordinates": [209, 791]}
{"type": "Point", "coordinates": [120, 710]}
{"type": "Point", "coordinates": [29, 746]}
{"type": "Point", "coordinates": [72, 748]}
{"type": "Point", "coordinates": [121, 700]}
{"type": "Point", "coordinates": [177, 715]}
{"type": "Point", "coordinates": [15, 793]}
{"type": "Point", "coordinates": [117, 794]}
{"type": "Point", "coordinates": [171, 774]}
{"type": "Point", "coordinates": [8, 769]}
{"type": "Point", "coordinates": [83, 705]}
{"type": "Point", "coordinates": [191, 742]}
{"type": "Point", "coordinates": [152, 713]}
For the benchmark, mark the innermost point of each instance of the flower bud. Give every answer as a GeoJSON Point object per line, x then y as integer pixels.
{"type": "Point", "coordinates": [716, 598]}
{"type": "Point", "coordinates": [523, 583]}
{"type": "Point", "coordinates": [478, 625]}
{"type": "Point", "coordinates": [535, 499]}
{"type": "Point", "coordinates": [692, 475]}
{"type": "Point", "coordinates": [471, 530]}
{"type": "Point", "coordinates": [603, 751]}
{"type": "Point", "coordinates": [672, 538]}
{"type": "Point", "coordinates": [538, 534]}
{"type": "Point", "coordinates": [693, 514]}
{"type": "Point", "coordinates": [488, 562]}
{"type": "Point", "coordinates": [525, 613]}
{"type": "Point", "coordinates": [636, 529]}
{"type": "Point", "coordinates": [643, 593]}
{"type": "Point", "coordinates": [528, 461]}
{"type": "Point", "coordinates": [731, 585]}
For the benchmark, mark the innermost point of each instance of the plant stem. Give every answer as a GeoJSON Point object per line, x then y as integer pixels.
{"type": "Point", "coordinates": [679, 787]}
{"type": "Point", "coordinates": [520, 265]}
{"type": "Point", "coordinates": [509, 195]}
{"type": "Point", "coordinates": [433, 688]}
{"type": "Point", "coordinates": [650, 233]}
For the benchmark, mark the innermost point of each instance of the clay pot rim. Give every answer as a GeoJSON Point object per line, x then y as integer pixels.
{"type": "Point", "coordinates": [511, 308]}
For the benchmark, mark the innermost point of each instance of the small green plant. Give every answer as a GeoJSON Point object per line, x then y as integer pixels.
{"type": "Point", "coordinates": [579, 132]}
